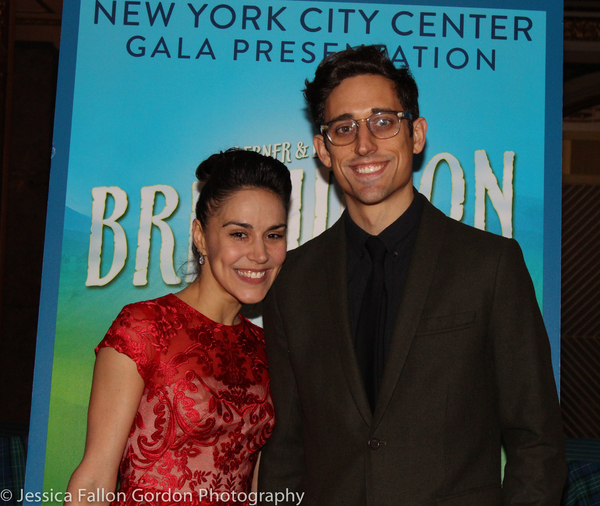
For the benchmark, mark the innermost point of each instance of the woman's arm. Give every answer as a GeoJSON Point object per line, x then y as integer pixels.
{"type": "Point", "coordinates": [254, 486]}
{"type": "Point", "coordinates": [117, 388]}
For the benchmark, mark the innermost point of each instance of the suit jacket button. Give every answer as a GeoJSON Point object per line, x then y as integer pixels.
{"type": "Point", "coordinates": [374, 443]}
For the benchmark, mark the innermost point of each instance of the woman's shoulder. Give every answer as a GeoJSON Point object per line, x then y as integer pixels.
{"type": "Point", "coordinates": [141, 326]}
{"type": "Point", "coordinates": [150, 309]}
{"type": "Point", "coordinates": [251, 329]}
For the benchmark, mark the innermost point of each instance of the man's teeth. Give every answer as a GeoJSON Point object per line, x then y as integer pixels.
{"type": "Point", "coordinates": [251, 274]}
{"type": "Point", "coordinates": [368, 169]}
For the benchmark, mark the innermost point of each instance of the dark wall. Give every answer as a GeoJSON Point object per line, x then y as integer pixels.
{"type": "Point", "coordinates": [28, 151]}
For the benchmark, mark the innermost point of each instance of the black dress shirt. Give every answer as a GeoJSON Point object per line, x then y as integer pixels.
{"type": "Point", "coordinates": [399, 239]}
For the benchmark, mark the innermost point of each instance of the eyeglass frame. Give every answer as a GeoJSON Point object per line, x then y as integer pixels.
{"type": "Point", "coordinates": [401, 115]}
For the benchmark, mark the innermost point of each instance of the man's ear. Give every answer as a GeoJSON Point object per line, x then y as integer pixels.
{"type": "Point", "coordinates": [419, 134]}
{"type": "Point", "coordinates": [322, 151]}
{"type": "Point", "coordinates": [198, 236]}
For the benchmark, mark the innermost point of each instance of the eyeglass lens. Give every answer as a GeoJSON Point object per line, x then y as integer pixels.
{"type": "Point", "coordinates": [382, 125]}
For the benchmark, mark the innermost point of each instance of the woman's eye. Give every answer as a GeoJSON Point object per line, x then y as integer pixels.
{"type": "Point", "coordinates": [275, 236]}
{"type": "Point", "coordinates": [238, 235]}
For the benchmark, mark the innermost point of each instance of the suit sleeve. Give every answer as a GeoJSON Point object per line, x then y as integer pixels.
{"type": "Point", "coordinates": [282, 459]}
{"type": "Point", "coordinates": [530, 417]}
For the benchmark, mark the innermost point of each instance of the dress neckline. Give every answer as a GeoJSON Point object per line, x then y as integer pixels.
{"type": "Point", "coordinates": [187, 307]}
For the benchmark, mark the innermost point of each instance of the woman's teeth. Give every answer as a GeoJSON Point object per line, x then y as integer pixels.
{"type": "Point", "coordinates": [251, 274]}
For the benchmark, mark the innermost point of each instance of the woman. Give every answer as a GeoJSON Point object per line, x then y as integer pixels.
{"type": "Point", "coordinates": [180, 397]}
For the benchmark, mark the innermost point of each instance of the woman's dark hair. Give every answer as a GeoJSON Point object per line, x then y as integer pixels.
{"type": "Point", "coordinates": [233, 170]}
{"type": "Point", "coordinates": [354, 62]}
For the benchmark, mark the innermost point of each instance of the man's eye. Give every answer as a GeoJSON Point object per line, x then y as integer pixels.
{"type": "Point", "coordinates": [344, 129]}
{"type": "Point", "coordinates": [383, 123]}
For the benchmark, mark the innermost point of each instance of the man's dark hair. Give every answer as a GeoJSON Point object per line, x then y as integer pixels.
{"type": "Point", "coordinates": [355, 62]}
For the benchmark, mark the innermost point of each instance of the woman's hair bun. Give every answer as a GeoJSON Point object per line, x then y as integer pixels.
{"type": "Point", "coordinates": [227, 172]}
{"type": "Point", "coordinates": [206, 167]}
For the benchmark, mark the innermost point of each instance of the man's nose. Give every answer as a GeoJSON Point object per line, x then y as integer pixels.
{"type": "Point", "coordinates": [365, 141]}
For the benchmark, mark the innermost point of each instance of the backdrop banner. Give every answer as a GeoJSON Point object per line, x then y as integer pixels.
{"type": "Point", "coordinates": [148, 89]}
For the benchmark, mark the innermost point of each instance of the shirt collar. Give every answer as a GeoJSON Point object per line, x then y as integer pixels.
{"type": "Point", "coordinates": [393, 234]}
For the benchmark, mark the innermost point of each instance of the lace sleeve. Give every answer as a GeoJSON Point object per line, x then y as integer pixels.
{"type": "Point", "coordinates": [133, 333]}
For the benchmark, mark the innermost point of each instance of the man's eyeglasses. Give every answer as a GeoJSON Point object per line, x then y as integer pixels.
{"type": "Point", "coordinates": [382, 125]}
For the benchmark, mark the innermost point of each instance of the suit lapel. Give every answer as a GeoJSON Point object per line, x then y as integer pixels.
{"type": "Point", "coordinates": [418, 283]}
{"type": "Point", "coordinates": [337, 287]}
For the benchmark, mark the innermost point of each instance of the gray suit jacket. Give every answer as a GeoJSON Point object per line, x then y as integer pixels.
{"type": "Point", "coordinates": [468, 369]}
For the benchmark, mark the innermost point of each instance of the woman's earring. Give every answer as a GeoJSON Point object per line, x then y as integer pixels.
{"type": "Point", "coordinates": [201, 258]}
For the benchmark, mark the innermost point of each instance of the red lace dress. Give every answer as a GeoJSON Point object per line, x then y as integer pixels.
{"type": "Point", "coordinates": [206, 409]}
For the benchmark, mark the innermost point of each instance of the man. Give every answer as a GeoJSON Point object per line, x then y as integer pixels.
{"type": "Point", "coordinates": [407, 401]}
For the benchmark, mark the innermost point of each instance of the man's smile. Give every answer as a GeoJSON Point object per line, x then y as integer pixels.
{"type": "Point", "coordinates": [369, 167]}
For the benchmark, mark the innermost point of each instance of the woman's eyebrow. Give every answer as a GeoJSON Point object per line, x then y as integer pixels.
{"type": "Point", "coordinates": [238, 224]}
{"type": "Point", "coordinates": [249, 226]}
